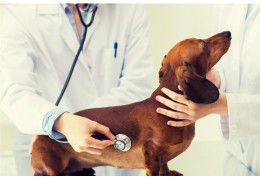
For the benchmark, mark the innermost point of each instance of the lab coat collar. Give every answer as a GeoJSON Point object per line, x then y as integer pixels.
{"type": "Point", "coordinates": [67, 32]}
{"type": "Point", "coordinates": [69, 35]}
{"type": "Point", "coordinates": [48, 9]}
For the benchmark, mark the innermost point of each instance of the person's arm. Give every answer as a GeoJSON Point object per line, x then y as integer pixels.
{"type": "Point", "coordinates": [188, 111]}
{"type": "Point", "coordinates": [135, 83]}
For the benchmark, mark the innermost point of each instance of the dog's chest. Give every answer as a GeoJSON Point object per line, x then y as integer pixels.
{"type": "Point", "coordinates": [175, 142]}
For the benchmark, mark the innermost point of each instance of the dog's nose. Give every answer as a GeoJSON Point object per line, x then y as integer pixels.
{"type": "Point", "coordinates": [228, 34]}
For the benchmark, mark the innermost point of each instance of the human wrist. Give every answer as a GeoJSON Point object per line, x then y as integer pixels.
{"type": "Point", "coordinates": [61, 123]}
{"type": "Point", "coordinates": [214, 76]}
{"type": "Point", "coordinates": [220, 106]}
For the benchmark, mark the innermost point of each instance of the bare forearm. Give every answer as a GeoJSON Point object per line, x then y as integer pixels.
{"type": "Point", "coordinates": [220, 106]}
{"type": "Point", "coordinates": [59, 124]}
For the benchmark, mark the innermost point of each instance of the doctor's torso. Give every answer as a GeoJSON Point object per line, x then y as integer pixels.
{"type": "Point", "coordinates": [54, 45]}
{"type": "Point", "coordinates": [241, 67]}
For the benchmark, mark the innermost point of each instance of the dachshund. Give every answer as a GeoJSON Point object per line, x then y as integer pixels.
{"type": "Point", "coordinates": [154, 143]}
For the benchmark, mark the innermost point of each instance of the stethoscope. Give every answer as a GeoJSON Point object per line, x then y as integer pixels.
{"type": "Point", "coordinates": [122, 141]}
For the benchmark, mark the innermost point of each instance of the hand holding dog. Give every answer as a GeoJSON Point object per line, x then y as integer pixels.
{"type": "Point", "coordinates": [188, 111]}
{"type": "Point", "coordinates": [79, 130]}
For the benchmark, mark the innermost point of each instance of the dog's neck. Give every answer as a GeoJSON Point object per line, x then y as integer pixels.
{"type": "Point", "coordinates": [168, 81]}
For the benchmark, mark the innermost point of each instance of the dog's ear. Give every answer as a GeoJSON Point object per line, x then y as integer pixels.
{"type": "Point", "coordinates": [163, 69]}
{"type": "Point", "coordinates": [195, 87]}
{"type": "Point", "coordinates": [161, 74]}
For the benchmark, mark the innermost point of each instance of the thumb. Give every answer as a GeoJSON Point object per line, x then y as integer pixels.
{"type": "Point", "coordinates": [105, 130]}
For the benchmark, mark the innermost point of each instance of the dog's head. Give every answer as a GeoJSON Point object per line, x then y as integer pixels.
{"type": "Point", "coordinates": [191, 59]}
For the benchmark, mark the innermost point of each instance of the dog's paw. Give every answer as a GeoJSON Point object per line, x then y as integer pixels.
{"type": "Point", "coordinates": [175, 173]}
{"type": "Point", "coordinates": [84, 172]}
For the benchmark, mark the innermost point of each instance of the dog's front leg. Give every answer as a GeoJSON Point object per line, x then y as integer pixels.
{"type": "Point", "coordinates": [152, 161]}
{"type": "Point", "coordinates": [48, 157]}
{"type": "Point", "coordinates": [164, 171]}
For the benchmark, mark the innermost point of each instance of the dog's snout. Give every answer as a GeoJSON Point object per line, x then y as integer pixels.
{"type": "Point", "coordinates": [228, 34]}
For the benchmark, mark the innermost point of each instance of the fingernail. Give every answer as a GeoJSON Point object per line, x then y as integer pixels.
{"type": "Point", "coordinates": [163, 89]}
{"type": "Point", "coordinates": [158, 110]}
{"type": "Point", "coordinates": [179, 87]}
{"type": "Point", "coordinates": [170, 123]}
{"type": "Point", "coordinates": [157, 98]}
{"type": "Point", "coordinates": [110, 143]}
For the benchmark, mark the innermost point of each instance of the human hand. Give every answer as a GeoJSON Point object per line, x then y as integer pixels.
{"type": "Point", "coordinates": [181, 108]}
{"type": "Point", "coordinates": [79, 130]}
{"type": "Point", "coordinates": [186, 110]}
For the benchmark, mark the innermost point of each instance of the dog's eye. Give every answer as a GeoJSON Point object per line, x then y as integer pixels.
{"type": "Point", "coordinates": [205, 46]}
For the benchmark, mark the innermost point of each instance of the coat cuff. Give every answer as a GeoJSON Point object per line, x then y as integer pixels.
{"type": "Point", "coordinates": [48, 123]}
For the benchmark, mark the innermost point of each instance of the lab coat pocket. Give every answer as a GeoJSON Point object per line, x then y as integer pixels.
{"type": "Point", "coordinates": [113, 65]}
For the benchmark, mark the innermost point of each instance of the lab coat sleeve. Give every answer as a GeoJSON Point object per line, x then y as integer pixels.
{"type": "Point", "coordinates": [135, 82]}
{"type": "Point", "coordinates": [20, 95]}
{"type": "Point", "coordinates": [243, 116]}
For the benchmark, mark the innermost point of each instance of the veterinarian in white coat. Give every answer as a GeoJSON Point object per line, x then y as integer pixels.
{"type": "Point", "coordinates": [238, 75]}
{"type": "Point", "coordinates": [38, 45]}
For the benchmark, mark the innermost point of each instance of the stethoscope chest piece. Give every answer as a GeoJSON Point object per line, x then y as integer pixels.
{"type": "Point", "coordinates": [122, 142]}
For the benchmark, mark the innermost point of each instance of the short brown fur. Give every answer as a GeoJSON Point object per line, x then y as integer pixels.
{"type": "Point", "coordinates": [154, 143]}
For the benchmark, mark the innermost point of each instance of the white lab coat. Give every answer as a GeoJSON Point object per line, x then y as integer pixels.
{"type": "Point", "coordinates": [240, 79]}
{"type": "Point", "coordinates": [38, 45]}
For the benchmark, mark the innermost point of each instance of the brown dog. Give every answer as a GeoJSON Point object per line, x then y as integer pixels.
{"type": "Point", "coordinates": [154, 143]}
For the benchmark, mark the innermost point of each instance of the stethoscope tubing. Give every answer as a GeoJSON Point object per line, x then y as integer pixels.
{"type": "Point", "coordinates": [78, 52]}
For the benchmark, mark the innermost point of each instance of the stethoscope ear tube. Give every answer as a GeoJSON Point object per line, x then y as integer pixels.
{"type": "Point", "coordinates": [94, 10]}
